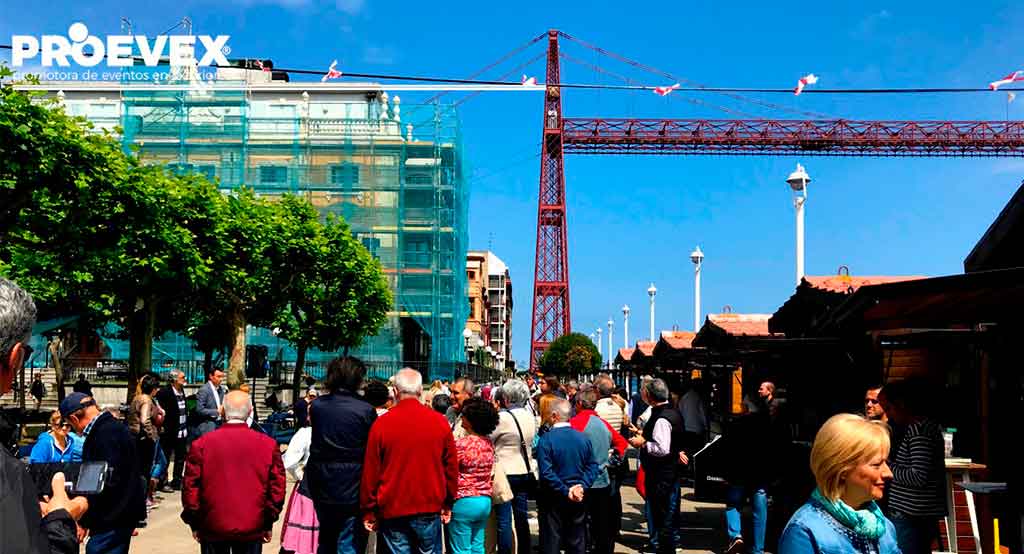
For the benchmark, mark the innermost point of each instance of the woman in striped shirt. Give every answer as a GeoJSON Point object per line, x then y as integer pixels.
{"type": "Point", "coordinates": [916, 494]}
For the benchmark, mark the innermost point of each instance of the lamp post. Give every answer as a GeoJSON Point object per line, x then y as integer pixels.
{"type": "Point", "coordinates": [611, 336]}
{"type": "Point", "coordinates": [466, 335]}
{"type": "Point", "coordinates": [625, 326]}
{"type": "Point", "coordinates": [479, 348]}
{"type": "Point", "coordinates": [651, 290]}
{"type": "Point", "coordinates": [798, 181]}
{"type": "Point", "coordinates": [600, 347]}
{"type": "Point", "coordinates": [697, 257]}
{"type": "Point", "coordinates": [490, 356]}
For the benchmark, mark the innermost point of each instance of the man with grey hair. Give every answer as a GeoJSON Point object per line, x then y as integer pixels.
{"type": "Point", "coordinates": [175, 429]}
{"type": "Point", "coordinates": [28, 525]}
{"type": "Point", "coordinates": [661, 452]}
{"type": "Point", "coordinates": [234, 484]}
{"type": "Point", "coordinates": [567, 468]}
{"type": "Point", "coordinates": [462, 389]}
{"type": "Point", "coordinates": [410, 472]}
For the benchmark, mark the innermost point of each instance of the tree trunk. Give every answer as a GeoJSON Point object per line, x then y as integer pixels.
{"type": "Point", "coordinates": [236, 363]}
{"type": "Point", "coordinates": [141, 325]}
{"type": "Point", "coordinates": [207, 361]}
{"type": "Point", "coordinates": [56, 348]}
{"type": "Point", "coordinates": [300, 361]}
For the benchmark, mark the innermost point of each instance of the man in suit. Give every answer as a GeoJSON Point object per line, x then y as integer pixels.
{"type": "Point", "coordinates": [174, 431]}
{"type": "Point", "coordinates": [209, 398]}
{"type": "Point", "coordinates": [234, 487]}
{"type": "Point", "coordinates": [115, 512]}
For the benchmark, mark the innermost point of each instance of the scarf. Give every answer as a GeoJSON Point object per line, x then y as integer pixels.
{"type": "Point", "coordinates": [868, 523]}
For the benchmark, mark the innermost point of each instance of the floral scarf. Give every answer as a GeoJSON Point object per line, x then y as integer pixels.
{"type": "Point", "coordinates": [868, 523]}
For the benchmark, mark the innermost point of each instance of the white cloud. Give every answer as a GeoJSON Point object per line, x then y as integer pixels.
{"type": "Point", "coordinates": [351, 7]}
{"type": "Point", "coordinates": [378, 55]}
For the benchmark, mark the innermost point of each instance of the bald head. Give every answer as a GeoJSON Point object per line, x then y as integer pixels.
{"type": "Point", "coordinates": [237, 406]}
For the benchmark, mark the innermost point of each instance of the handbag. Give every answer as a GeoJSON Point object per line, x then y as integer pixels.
{"type": "Point", "coordinates": [531, 479]}
{"type": "Point", "coordinates": [501, 490]}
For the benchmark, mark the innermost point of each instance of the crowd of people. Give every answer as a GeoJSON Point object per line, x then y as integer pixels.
{"type": "Point", "coordinates": [399, 467]}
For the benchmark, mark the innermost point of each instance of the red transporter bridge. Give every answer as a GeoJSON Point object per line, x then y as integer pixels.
{"type": "Point", "coordinates": [551, 316]}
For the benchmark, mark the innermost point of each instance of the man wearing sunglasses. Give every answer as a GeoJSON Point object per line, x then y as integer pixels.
{"type": "Point", "coordinates": [26, 524]}
{"type": "Point", "coordinates": [872, 408]}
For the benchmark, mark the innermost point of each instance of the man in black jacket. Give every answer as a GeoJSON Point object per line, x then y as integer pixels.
{"type": "Point", "coordinates": [175, 430]}
{"type": "Point", "coordinates": [117, 511]}
{"type": "Point", "coordinates": [23, 526]}
{"type": "Point", "coordinates": [341, 423]}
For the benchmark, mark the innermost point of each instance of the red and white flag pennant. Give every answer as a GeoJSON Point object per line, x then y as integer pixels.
{"type": "Point", "coordinates": [1011, 78]}
{"type": "Point", "coordinates": [665, 91]}
{"type": "Point", "coordinates": [529, 81]}
{"type": "Point", "coordinates": [259, 64]}
{"type": "Point", "coordinates": [808, 79]}
{"type": "Point", "coordinates": [332, 73]}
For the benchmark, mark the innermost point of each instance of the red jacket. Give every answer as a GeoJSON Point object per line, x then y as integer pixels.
{"type": "Point", "coordinates": [234, 484]}
{"type": "Point", "coordinates": [579, 423]}
{"type": "Point", "coordinates": [411, 466]}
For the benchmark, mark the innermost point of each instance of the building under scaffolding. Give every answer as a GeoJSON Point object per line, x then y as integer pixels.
{"type": "Point", "coordinates": [393, 171]}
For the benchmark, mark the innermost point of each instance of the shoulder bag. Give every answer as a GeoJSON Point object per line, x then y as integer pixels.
{"type": "Point", "coordinates": [531, 479]}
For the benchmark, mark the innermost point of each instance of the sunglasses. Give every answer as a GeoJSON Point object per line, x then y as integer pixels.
{"type": "Point", "coordinates": [870, 401]}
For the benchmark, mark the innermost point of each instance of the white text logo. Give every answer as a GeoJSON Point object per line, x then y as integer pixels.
{"type": "Point", "coordinates": [88, 51]}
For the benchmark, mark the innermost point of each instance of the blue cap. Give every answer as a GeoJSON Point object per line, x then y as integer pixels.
{"type": "Point", "coordinates": [74, 402]}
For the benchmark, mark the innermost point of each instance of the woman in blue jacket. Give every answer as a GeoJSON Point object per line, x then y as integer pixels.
{"type": "Point", "coordinates": [848, 460]}
{"type": "Point", "coordinates": [56, 445]}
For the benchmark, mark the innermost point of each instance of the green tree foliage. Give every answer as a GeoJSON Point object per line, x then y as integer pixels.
{"type": "Point", "coordinates": [338, 294]}
{"type": "Point", "coordinates": [572, 354]}
{"type": "Point", "coordinates": [91, 232]}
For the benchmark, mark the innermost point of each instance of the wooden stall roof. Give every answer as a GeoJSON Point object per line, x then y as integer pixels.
{"type": "Point", "coordinates": [644, 349]}
{"type": "Point", "coordinates": [816, 296]}
{"type": "Point", "coordinates": [1000, 246]}
{"type": "Point", "coordinates": [624, 355]}
{"type": "Point", "coordinates": [725, 329]}
{"type": "Point", "coordinates": [954, 301]}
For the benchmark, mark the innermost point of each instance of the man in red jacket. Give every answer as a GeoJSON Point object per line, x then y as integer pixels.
{"type": "Point", "coordinates": [410, 473]}
{"type": "Point", "coordinates": [234, 484]}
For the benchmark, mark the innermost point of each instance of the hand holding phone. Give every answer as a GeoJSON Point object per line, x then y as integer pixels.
{"type": "Point", "coordinates": [60, 501]}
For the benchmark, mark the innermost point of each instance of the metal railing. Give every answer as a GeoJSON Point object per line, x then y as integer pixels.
{"type": "Point", "coordinates": [280, 372]}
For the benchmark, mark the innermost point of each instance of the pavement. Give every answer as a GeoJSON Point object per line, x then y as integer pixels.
{"type": "Point", "coordinates": [702, 529]}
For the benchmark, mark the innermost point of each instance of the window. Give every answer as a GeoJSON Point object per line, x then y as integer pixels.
{"type": "Point", "coordinates": [345, 174]}
{"type": "Point", "coordinates": [273, 174]}
{"type": "Point", "coordinates": [210, 171]}
{"type": "Point", "coordinates": [419, 178]}
{"type": "Point", "coordinates": [371, 244]}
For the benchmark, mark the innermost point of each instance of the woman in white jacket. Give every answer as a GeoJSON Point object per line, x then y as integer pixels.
{"type": "Point", "coordinates": [301, 529]}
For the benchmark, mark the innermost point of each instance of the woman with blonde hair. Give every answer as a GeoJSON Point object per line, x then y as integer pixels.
{"type": "Point", "coordinates": [848, 460]}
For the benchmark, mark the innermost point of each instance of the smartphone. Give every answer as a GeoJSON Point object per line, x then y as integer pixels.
{"type": "Point", "coordinates": [92, 477]}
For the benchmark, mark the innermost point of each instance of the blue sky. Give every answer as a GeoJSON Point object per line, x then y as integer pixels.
{"type": "Point", "coordinates": [633, 219]}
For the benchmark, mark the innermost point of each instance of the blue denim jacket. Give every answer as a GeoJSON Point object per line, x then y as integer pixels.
{"type": "Point", "coordinates": [812, 530]}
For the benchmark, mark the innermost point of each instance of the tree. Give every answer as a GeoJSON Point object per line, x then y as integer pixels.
{"type": "Point", "coordinates": [45, 151]}
{"type": "Point", "coordinates": [130, 246]}
{"type": "Point", "coordinates": [571, 354]}
{"type": "Point", "coordinates": [338, 295]}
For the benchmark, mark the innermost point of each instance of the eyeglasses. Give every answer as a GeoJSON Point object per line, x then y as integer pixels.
{"type": "Point", "coordinates": [871, 401]}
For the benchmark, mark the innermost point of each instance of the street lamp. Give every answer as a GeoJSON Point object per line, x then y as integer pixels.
{"type": "Point", "coordinates": [610, 337]}
{"type": "Point", "coordinates": [490, 356]}
{"type": "Point", "coordinates": [798, 181]}
{"type": "Point", "coordinates": [479, 347]}
{"type": "Point", "coordinates": [466, 335]}
{"type": "Point", "coordinates": [651, 290]}
{"type": "Point", "coordinates": [625, 326]}
{"type": "Point", "coordinates": [697, 257]}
